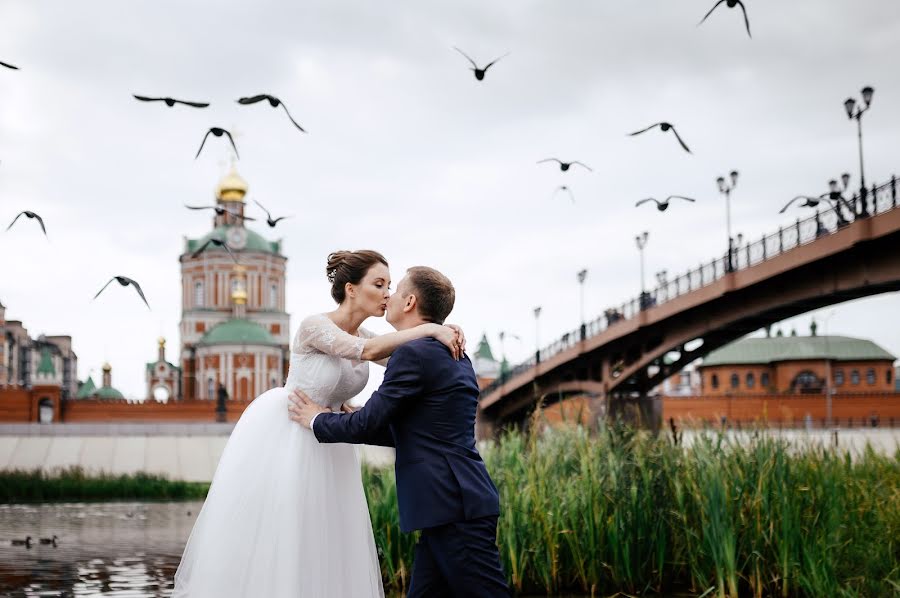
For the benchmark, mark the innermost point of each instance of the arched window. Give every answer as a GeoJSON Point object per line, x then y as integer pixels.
{"type": "Point", "coordinates": [273, 296]}
{"type": "Point", "coordinates": [839, 377]}
{"type": "Point", "coordinates": [45, 411]}
{"type": "Point", "coordinates": [751, 380]}
{"type": "Point", "coordinates": [211, 389]}
{"type": "Point", "coordinates": [714, 381]}
{"type": "Point", "coordinates": [735, 381]}
{"type": "Point", "coordinates": [807, 382]}
{"type": "Point", "coordinates": [887, 376]}
{"type": "Point", "coordinates": [854, 377]}
{"type": "Point", "coordinates": [764, 379]}
{"type": "Point", "coordinates": [198, 294]}
{"type": "Point", "coordinates": [870, 377]}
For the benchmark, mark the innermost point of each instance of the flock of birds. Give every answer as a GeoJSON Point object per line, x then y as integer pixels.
{"type": "Point", "coordinates": [479, 72]}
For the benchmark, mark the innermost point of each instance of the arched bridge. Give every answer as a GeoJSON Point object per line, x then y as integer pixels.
{"type": "Point", "coordinates": [847, 252]}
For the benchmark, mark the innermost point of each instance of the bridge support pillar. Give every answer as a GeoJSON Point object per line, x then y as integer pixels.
{"type": "Point", "coordinates": [485, 425]}
{"type": "Point", "coordinates": [642, 412]}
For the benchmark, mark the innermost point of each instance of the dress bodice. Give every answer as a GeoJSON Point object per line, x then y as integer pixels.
{"type": "Point", "coordinates": [325, 362]}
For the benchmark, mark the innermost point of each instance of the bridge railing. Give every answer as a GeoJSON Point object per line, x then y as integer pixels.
{"type": "Point", "coordinates": [879, 200]}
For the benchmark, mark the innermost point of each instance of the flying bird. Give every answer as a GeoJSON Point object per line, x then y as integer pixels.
{"type": "Point", "coordinates": [566, 189]}
{"type": "Point", "coordinates": [662, 206]}
{"type": "Point", "coordinates": [664, 127]}
{"type": "Point", "coordinates": [564, 166]}
{"type": "Point", "coordinates": [171, 101]}
{"type": "Point", "coordinates": [273, 102]}
{"type": "Point", "coordinates": [125, 281]}
{"type": "Point", "coordinates": [269, 220]}
{"type": "Point", "coordinates": [480, 72]}
{"type": "Point", "coordinates": [808, 202]}
{"type": "Point", "coordinates": [730, 4]}
{"type": "Point", "coordinates": [9, 66]}
{"type": "Point", "coordinates": [218, 132]}
{"type": "Point", "coordinates": [217, 243]}
{"type": "Point", "coordinates": [30, 215]}
{"type": "Point", "coordinates": [220, 211]}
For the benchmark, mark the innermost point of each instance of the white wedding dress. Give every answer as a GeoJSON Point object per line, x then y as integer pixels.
{"type": "Point", "coordinates": [286, 517]}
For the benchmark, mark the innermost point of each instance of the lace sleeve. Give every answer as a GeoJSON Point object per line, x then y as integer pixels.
{"type": "Point", "coordinates": [366, 333]}
{"type": "Point", "coordinates": [320, 333]}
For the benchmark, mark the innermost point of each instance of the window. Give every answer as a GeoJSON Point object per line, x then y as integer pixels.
{"type": "Point", "coordinates": [750, 380]}
{"type": "Point", "coordinates": [887, 376]}
{"type": "Point", "coordinates": [714, 381]}
{"type": "Point", "coordinates": [839, 377]}
{"type": "Point", "coordinates": [273, 296]}
{"type": "Point", "coordinates": [854, 377]}
{"type": "Point", "coordinates": [198, 294]}
{"type": "Point", "coordinates": [764, 379]}
{"type": "Point", "coordinates": [807, 382]}
{"type": "Point", "coordinates": [735, 381]}
{"type": "Point", "coordinates": [870, 377]}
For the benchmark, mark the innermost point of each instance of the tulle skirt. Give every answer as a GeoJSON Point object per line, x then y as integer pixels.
{"type": "Point", "coordinates": [285, 517]}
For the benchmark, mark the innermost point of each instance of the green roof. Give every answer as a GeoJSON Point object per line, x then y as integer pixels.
{"type": "Point", "coordinates": [46, 364]}
{"type": "Point", "coordinates": [792, 348]}
{"type": "Point", "coordinates": [484, 349]}
{"type": "Point", "coordinates": [86, 389]}
{"type": "Point", "coordinates": [108, 392]}
{"type": "Point", "coordinates": [255, 242]}
{"type": "Point", "coordinates": [237, 332]}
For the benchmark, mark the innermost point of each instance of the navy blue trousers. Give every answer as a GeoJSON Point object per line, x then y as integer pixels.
{"type": "Point", "coordinates": [459, 559]}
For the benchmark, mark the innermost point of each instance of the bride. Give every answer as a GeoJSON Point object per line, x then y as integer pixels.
{"type": "Point", "coordinates": [286, 516]}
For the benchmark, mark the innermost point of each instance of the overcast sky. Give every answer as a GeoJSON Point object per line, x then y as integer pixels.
{"type": "Point", "coordinates": [408, 154]}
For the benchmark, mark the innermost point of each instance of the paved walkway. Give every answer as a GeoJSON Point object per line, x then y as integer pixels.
{"type": "Point", "coordinates": [179, 451]}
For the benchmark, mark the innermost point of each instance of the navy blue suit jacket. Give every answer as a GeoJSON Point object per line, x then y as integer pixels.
{"type": "Point", "coordinates": [425, 407]}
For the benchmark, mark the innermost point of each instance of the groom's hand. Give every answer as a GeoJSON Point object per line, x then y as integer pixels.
{"type": "Point", "coordinates": [302, 409]}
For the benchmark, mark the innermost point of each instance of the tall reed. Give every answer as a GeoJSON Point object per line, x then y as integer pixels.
{"type": "Point", "coordinates": [622, 511]}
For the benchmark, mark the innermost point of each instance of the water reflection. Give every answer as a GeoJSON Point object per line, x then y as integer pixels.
{"type": "Point", "coordinates": [116, 549]}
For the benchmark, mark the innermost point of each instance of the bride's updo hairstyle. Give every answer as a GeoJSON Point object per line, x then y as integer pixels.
{"type": "Point", "coordinates": [349, 266]}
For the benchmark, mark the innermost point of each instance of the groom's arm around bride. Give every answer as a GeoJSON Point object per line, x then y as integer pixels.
{"type": "Point", "coordinates": [426, 408]}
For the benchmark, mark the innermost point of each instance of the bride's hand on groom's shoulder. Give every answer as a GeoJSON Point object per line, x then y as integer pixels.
{"type": "Point", "coordinates": [449, 336]}
{"type": "Point", "coordinates": [460, 335]}
{"type": "Point", "coordinates": [345, 408]}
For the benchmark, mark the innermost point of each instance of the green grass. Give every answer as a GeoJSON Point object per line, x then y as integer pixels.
{"type": "Point", "coordinates": [74, 485]}
{"type": "Point", "coordinates": [622, 511]}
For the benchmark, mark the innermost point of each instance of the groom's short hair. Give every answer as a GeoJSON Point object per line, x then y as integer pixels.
{"type": "Point", "coordinates": [434, 293]}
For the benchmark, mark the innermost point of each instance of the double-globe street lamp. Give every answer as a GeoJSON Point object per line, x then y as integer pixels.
{"type": "Point", "coordinates": [726, 189]}
{"type": "Point", "coordinates": [855, 110]}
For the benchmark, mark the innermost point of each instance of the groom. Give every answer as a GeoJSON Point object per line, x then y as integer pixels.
{"type": "Point", "coordinates": [425, 407]}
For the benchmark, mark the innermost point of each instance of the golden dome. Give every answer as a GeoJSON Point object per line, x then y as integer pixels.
{"type": "Point", "coordinates": [162, 341]}
{"type": "Point", "coordinates": [107, 367]}
{"type": "Point", "coordinates": [232, 187]}
{"type": "Point", "coordinates": [239, 296]}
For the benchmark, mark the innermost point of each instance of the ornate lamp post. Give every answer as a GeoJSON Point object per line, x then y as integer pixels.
{"type": "Point", "coordinates": [855, 111]}
{"type": "Point", "coordinates": [726, 189]}
{"type": "Point", "coordinates": [581, 276]}
{"type": "Point", "coordinates": [537, 337]}
{"type": "Point", "coordinates": [641, 242]}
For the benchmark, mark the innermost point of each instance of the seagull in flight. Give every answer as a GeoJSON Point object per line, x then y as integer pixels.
{"type": "Point", "coordinates": [566, 189]}
{"type": "Point", "coordinates": [564, 166]}
{"type": "Point", "coordinates": [662, 206]}
{"type": "Point", "coordinates": [29, 215]}
{"type": "Point", "coordinates": [9, 66]}
{"type": "Point", "coordinates": [730, 4]}
{"type": "Point", "coordinates": [220, 211]}
{"type": "Point", "coordinates": [664, 127]}
{"type": "Point", "coordinates": [218, 132]}
{"type": "Point", "coordinates": [171, 101]}
{"type": "Point", "coordinates": [217, 243]}
{"type": "Point", "coordinates": [125, 281]}
{"type": "Point", "coordinates": [808, 202]}
{"type": "Point", "coordinates": [269, 220]}
{"type": "Point", "coordinates": [479, 71]}
{"type": "Point", "coordinates": [273, 102]}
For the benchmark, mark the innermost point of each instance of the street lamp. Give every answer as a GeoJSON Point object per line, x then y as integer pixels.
{"type": "Point", "coordinates": [726, 189]}
{"type": "Point", "coordinates": [855, 111]}
{"type": "Point", "coordinates": [641, 242]}
{"type": "Point", "coordinates": [537, 338]}
{"type": "Point", "coordinates": [829, 391]}
{"type": "Point", "coordinates": [582, 275]}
